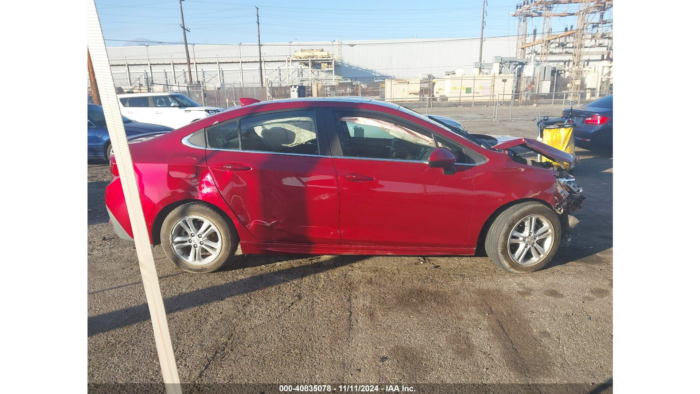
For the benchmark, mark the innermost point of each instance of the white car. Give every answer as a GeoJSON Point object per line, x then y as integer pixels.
{"type": "Point", "coordinates": [168, 109]}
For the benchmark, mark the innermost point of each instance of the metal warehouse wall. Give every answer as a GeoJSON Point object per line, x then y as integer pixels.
{"type": "Point", "coordinates": [355, 59]}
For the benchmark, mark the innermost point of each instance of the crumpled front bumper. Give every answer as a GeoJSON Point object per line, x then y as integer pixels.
{"type": "Point", "coordinates": [118, 229]}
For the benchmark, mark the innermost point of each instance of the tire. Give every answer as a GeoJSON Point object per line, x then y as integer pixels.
{"type": "Point", "coordinates": [515, 221]}
{"type": "Point", "coordinates": [216, 247]}
{"type": "Point", "coordinates": [108, 152]}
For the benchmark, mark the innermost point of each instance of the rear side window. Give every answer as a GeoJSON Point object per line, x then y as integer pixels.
{"type": "Point", "coordinates": [376, 138]}
{"type": "Point", "coordinates": [224, 135]}
{"type": "Point", "coordinates": [281, 132]}
{"type": "Point", "coordinates": [605, 102]}
{"type": "Point", "coordinates": [123, 101]}
{"type": "Point", "coordinates": [138, 102]}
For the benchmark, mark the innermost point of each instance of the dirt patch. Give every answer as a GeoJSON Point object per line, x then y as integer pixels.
{"type": "Point", "coordinates": [553, 293]}
{"type": "Point", "coordinates": [600, 293]}
{"type": "Point", "coordinates": [409, 362]}
{"type": "Point", "coordinates": [423, 301]}
{"type": "Point", "coordinates": [521, 348]}
{"type": "Point", "coordinates": [461, 345]}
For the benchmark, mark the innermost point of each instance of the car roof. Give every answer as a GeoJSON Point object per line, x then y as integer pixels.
{"type": "Point", "coordinates": [356, 100]}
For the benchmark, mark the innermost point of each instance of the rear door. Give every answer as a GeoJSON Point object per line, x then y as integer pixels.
{"type": "Point", "coordinates": [138, 109]}
{"type": "Point", "coordinates": [276, 173]}
{"type": "Point", "coordinates": [92, 140]}
{"type": "Point", "coordinates": [389, 196]}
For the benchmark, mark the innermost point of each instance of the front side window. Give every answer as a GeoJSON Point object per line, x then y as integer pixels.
{"type": "Point", "coordinates": [224, 135]}
{"type": "Point", "coordinates": [282, 132]}
{"type": "Point", "coordinates": [373, 138]}
{"type": "Point", "coordinates": [164, 101]}
{"type": "Point", "coordinates": [464, 155]}
{"type": "Point", "coordinates": [96, 115]}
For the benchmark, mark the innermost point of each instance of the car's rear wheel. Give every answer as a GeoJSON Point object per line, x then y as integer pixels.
{"type": "Point", "coordinates": [198, 239]}
{"type": "Point", "coordinates": [524, 237]}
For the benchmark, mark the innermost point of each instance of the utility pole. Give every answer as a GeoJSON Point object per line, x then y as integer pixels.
{"type": "Point", "coordinates": [481, 41]}
{"type": "Point", "coordinates": [93, 82]}
{"type": "Point", "coordinates": [187, 49]}
{"type": "Point", "coordinates": [262, 82]}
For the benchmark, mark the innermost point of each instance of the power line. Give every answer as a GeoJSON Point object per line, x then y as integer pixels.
{"type": "Point", "coordinates": [351, 43]}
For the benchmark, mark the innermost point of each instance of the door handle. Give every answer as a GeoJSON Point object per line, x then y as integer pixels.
{"type": "Point", "coordinates": [358, 177]}
{"type": "Point", "coordinates": [236, 167]}
{"type": "Point", "coordinates": [159, 112]}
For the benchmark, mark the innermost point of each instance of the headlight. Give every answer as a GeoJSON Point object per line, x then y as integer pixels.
{"type": "Point", "coordinates": [212, 111]}
{"type": "Point", "coordinates": [142, 139]}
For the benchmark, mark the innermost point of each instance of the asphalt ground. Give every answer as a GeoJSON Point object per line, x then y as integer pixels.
{"type": "Point", "coordinates": [366, 319]}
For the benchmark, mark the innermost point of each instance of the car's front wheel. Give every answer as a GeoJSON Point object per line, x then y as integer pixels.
{"type": "Point", "coordinates": [198, 239]}
{"type": "Point", "coordinates": [524, 237]}
{"type": "Point", "coordinates": [109, 152]}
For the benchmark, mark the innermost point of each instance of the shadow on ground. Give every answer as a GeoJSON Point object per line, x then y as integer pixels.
{"type": "Point", "coordinates": [128, 316]}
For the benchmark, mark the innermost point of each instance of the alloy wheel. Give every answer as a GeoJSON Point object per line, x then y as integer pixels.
{"type": "Point", "coordinates": [530, 240]}
{"type": "Point", "coordinates": [196, 240]}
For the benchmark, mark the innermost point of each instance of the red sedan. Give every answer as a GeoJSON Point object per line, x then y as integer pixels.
{"type": "Point", "coordinates": [344, 176]}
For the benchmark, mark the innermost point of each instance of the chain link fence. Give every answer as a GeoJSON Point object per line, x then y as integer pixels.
{"type": "Point", "coordinates": [422, 98]}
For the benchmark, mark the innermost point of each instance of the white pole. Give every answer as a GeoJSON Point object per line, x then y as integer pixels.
{"type": "Point", "coordinates": [115, 127]}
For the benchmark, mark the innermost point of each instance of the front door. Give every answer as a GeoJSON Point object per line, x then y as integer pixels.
{"type": "Point", "coordinates": [389, 196]}
{"type": "Point", "coordinates": [167, 111]}
{"type": "Point", "coordinates": [275, 172]}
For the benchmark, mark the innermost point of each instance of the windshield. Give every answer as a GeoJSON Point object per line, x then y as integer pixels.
{"type": "Point", "coordinates": [183, 100]}
{"type": "Point", "coordinates": [452, 130]}
{"type": "Point", "coordinates": [97, 116]}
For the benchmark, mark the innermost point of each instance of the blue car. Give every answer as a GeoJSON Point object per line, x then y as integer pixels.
{"type": "Point", "coordinates": [593, 124]}
{"type": "Point", "coordinates": [99, 146]}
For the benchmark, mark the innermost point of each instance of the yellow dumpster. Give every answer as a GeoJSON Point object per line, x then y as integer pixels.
{"type": "Point", "coordinates": [560, 137]}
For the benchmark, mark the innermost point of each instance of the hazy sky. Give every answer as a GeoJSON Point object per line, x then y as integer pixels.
{"type": "Point", "coordinates": [232, 22]}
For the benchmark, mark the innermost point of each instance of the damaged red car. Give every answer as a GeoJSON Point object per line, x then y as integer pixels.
{"type": "Point", "coordinates": [345, 176]}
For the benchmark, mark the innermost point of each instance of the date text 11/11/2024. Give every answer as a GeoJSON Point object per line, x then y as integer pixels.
{"type": "Point", "coordinates": [347, 388]}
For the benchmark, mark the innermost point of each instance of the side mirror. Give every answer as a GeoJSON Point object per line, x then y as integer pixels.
{"type": "Point", "coordinates": [443, 158]}
{"type": "Point", "coordinates": [91, 125]}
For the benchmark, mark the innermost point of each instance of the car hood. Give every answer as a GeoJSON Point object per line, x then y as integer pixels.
{"type": "Point", "coordinates": [505, 142]}
{"type": "Point", "coordinates": [140, 128]}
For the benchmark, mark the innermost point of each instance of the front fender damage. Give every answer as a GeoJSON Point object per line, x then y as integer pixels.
{"type": "Point", "coordinates": [567, 198]}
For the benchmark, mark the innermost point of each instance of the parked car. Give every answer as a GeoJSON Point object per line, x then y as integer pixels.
{"type": "Point", "coordinates": [168, 109]}
{"type": "Point", "coordinates": [99, 145]}
{"type": "Point", "coordinates": [593, 124]}
{"type": "Point", "coordinates": [343, 176]}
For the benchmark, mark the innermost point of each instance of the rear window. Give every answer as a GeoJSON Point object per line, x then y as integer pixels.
{"type": "Point", "coordinates": [223, 135]}
{"type": "Point", "coordinates": [605, 102]}
{"type": "Point", "coordinates": [138, 101]}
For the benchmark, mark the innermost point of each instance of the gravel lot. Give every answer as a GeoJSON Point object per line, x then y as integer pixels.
{"type": "Point", "coordinates": [361, 319]}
